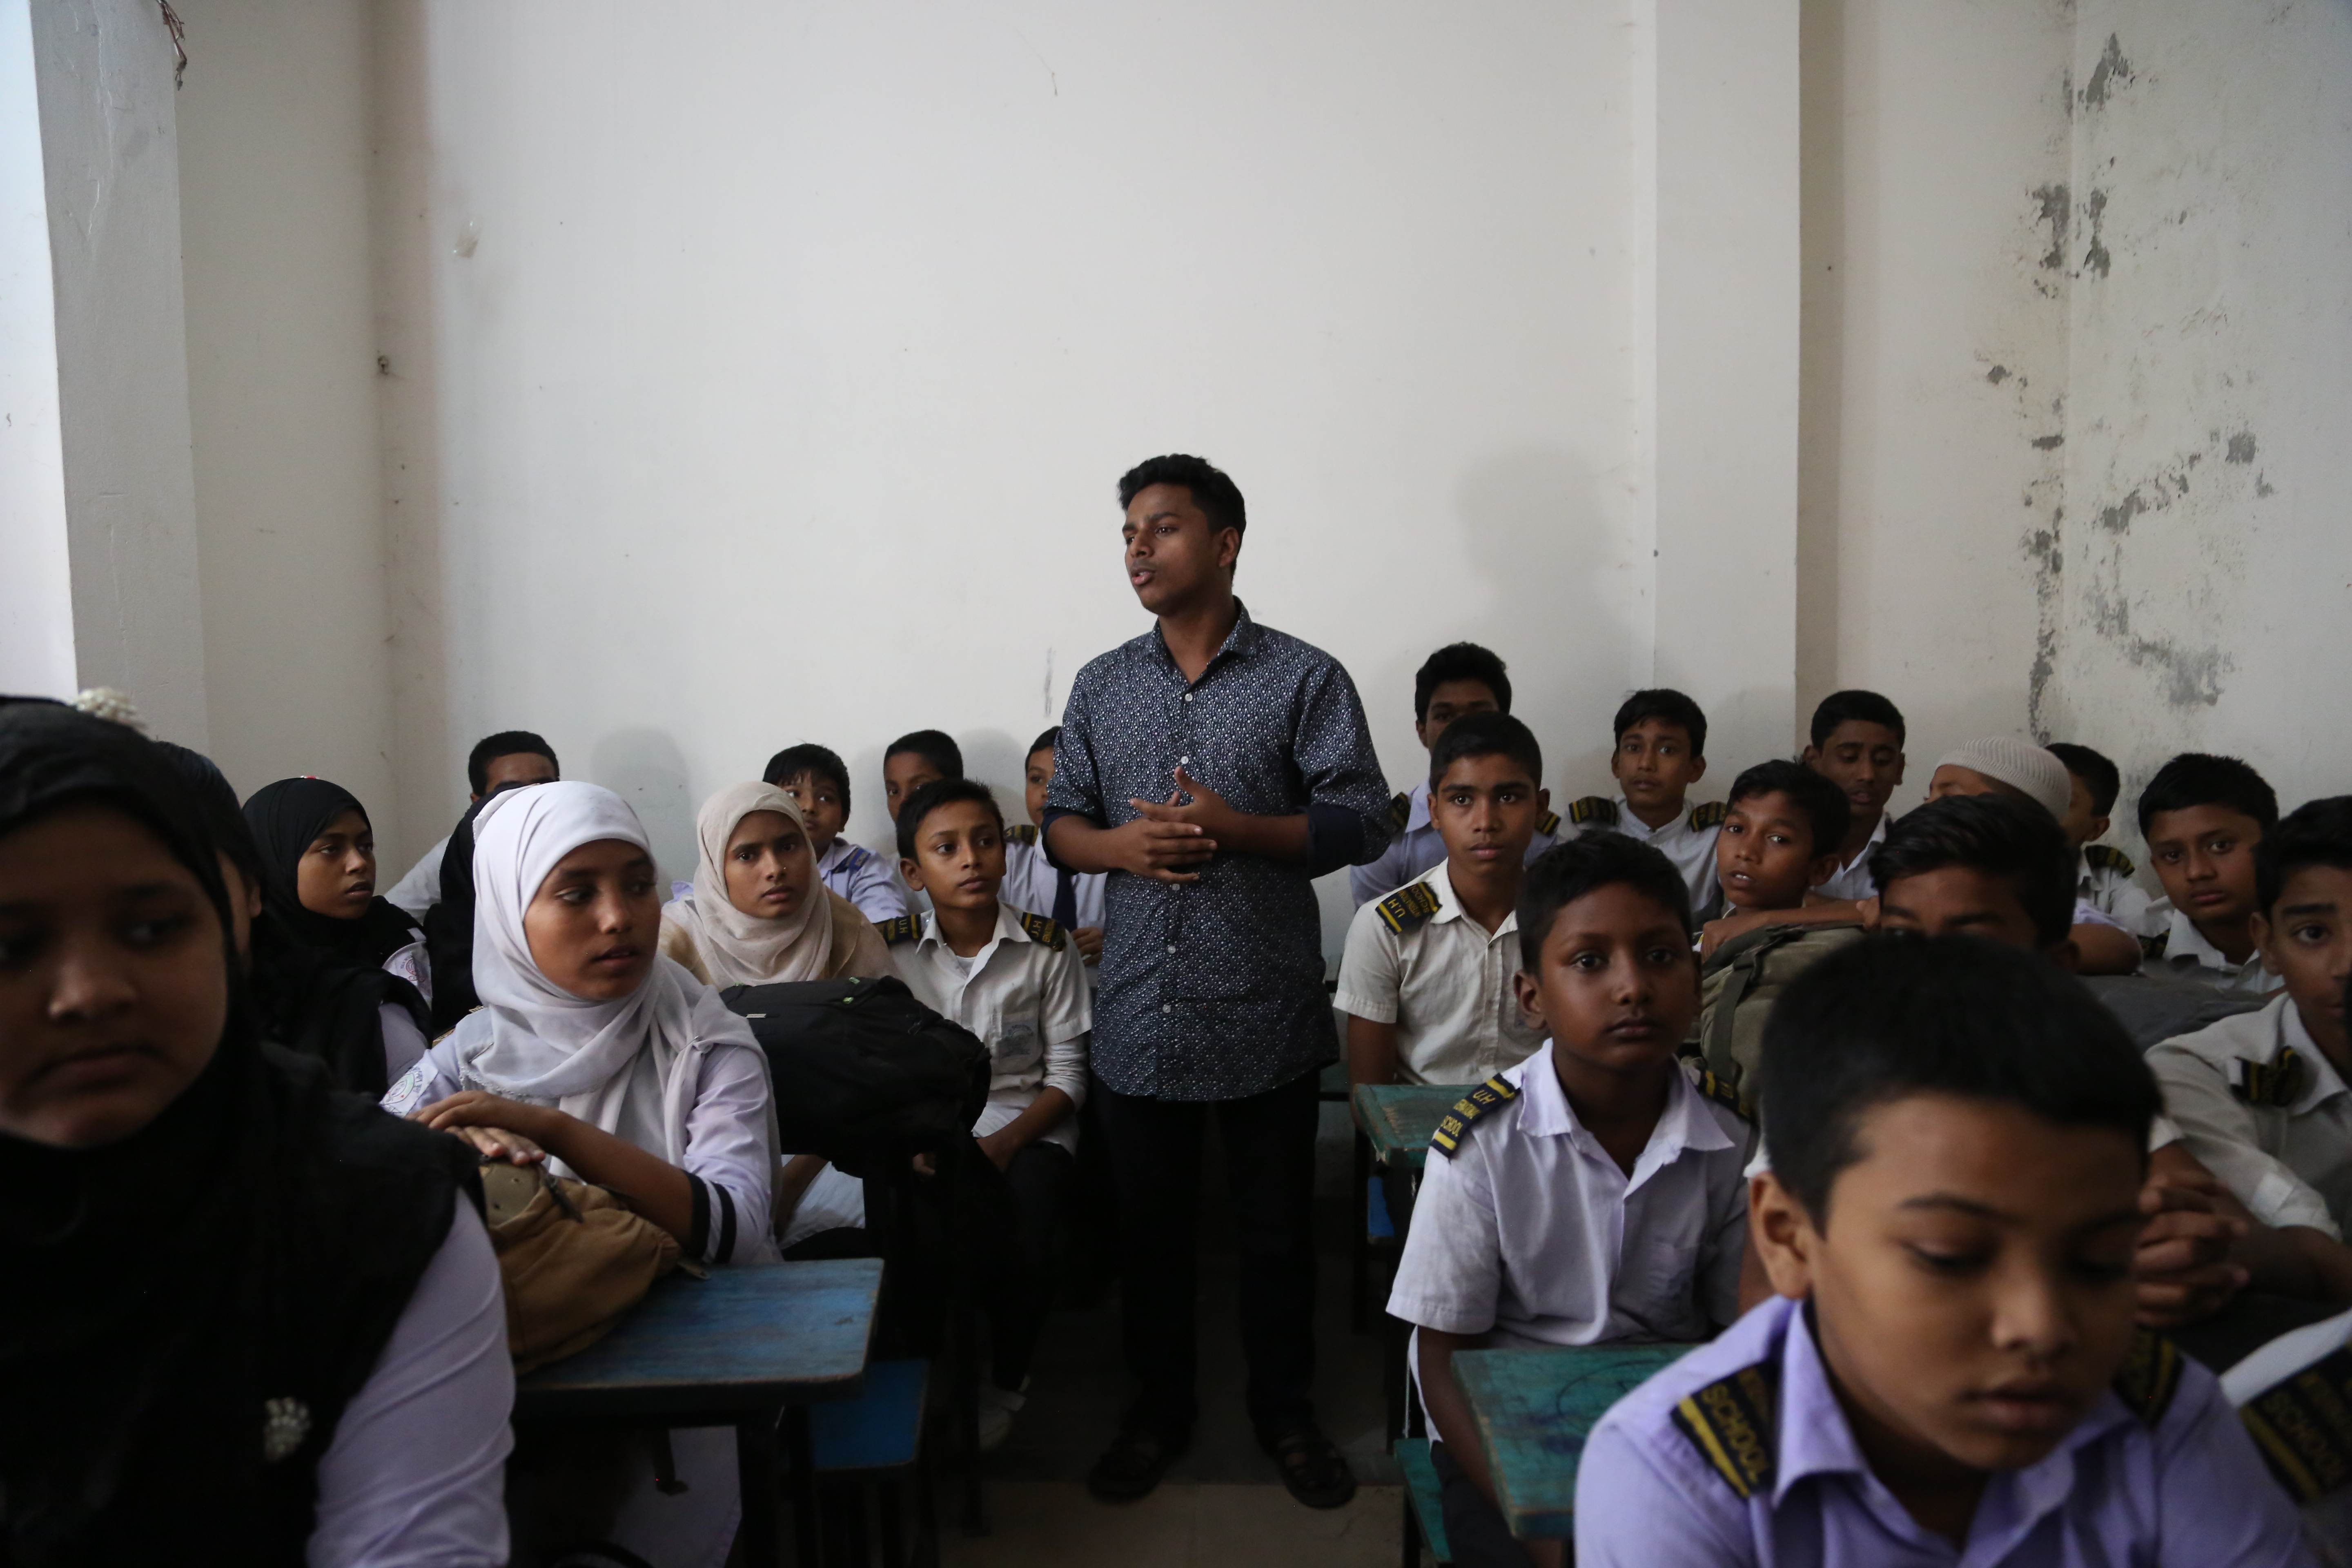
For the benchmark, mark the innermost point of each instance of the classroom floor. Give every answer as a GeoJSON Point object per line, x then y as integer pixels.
{"type": "Point", "coordinates": [1223, 1504]}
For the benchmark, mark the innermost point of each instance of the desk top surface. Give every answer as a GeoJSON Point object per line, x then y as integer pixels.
{"type": "Point", "coordinates": [1398, 1118]}
{"type": "Point", "coordinates": [747, 1338]}
{"type": "Point", "coordinates": [1534, 1410]}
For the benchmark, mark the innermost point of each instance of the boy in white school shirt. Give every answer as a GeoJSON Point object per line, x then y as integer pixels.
{"type": "Point", "coordinates": [1071, 900]}
{"type": "Point", "coordinates": [2202, 817]}
{"type": "Point", "coordinates": [1426, 981]}
{"type": "Point", "coordinates": [1013, 978]}
{"type": "Point", "coordinates": [1660, 752]}
{"type": "Point", "coordinates": [818, 783]}
{"type": "Point", "coordinates": [1591, 1193]}
{"type": "Point", "coordinates": [1455, 682]}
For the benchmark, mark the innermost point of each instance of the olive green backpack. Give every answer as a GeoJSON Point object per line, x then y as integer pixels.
{"type": "Point", "coordinates": [1737, 988]}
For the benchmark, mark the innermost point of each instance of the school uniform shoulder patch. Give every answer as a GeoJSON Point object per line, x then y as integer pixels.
{"type": "Point", "coordinates": [1399, 812]}
{"type": "Point", "coordinates": [2152, 947]}
{"type": "Point", "coordinates": [1409, 907]}
{"type": "Point", "coordinates": [1703, 817]}
{"type": "Point", "coordinates": [1021, 833]}
{"type": "Point", "coordinates": [2303, 1427]}
{"type": "Point", "coordinates": [1043, 932]}
{"type": "Point", "coordinates": [858, 854]}
{"type": "Point", "coordinates": [1726, 1095]}
{"type": "Point", "coordinates": [2150, 1377]}
{"type": "Point", "coordinates": [1593, 810]}
{"type": "Point", "coordinates": [1729, 1422]}
{"type": "Point", "coordinates": [905, 929]}
{"type": "Point", "coordinates": [2105, 858]}
{"type": "Point", "coordinates": [1548, 824]}
{"type": "Point", "coordinates": [1455, 1124]}
{"type": "Point", "coordinates": [2272, 1083]}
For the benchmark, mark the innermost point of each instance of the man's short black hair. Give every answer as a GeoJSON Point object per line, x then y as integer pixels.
{"type": "Point", "coordinates": [2094, 770]}
{"type": "Point", "coordinates": [505, 743]}
{"type": "Point", "coordinates": [1045, 742]}
{"type": "Point", "coordinates": [1487, 735]}
{"type": "Point", "coordinates": [935, 795]}
{"type": "Point", "coordinates": [1567, 870]}
{"type": "Point", "coordinates": [1890, 1017]}
{"type": "Point", "coordinates": [2200, 778]}
{"type": "Point", "coordinates": [1219, 498]}
{"type": "Point", "coordinates": [936, 747]}
{"type": "Point", "coordinates": [810, 762]}
{"type": "Point", "coordinates": [1856, 706]}
{"type": "Point", "coordinates": [1663, 703]}
{"type": "Point", "coordinates": [1459, 661]}
{"type": "Point", "coordinates": [2317, 832]}
{"type": "Point", "coordinates": [1994, 834]}
{"type": "Point", "coordinates": [1824, 806]}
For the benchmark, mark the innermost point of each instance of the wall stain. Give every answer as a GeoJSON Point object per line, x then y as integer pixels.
{"type": "Point", "coordinates": [2053, 205]}
{"type": "Point", "coordinates": [2045, 550]}
{"type": "Point", "coordinates": [1996, 374]}
{"type": "Point", "coordinates": [2048, 443]}
{"type": "Point", "coordinates": [2096, 258]}
{"type": "Point", "coordinates": [2262, 487]}
{"type": "Point", "coordinates": [2113, 71]}
{"type": "Point", "coordinates": [2241, 447]}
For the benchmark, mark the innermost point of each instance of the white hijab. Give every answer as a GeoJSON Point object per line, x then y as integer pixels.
{"type": "Point", "coordinates": [535, 1041]}
{"type": "Point", "coordinates": [737, 949]}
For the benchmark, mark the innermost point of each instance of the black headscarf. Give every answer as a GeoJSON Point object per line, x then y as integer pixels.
{"type": "Point", "coordinates": [317, 982]}
{"type": "Point", "coordinates": [242, 1257]}
{"type": "Point", "coordinates": [287, 817]}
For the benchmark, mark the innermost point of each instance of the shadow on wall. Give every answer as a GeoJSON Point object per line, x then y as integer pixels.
{"type": "Point", "coordinates": [645, 768]}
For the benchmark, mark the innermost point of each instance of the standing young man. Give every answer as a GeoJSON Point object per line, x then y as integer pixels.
{"type": "Point", "coordinates": [1213, 767]}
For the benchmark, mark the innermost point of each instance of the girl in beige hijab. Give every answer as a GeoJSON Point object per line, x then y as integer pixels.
{"type": "Point", "coordinates": [758, 913]}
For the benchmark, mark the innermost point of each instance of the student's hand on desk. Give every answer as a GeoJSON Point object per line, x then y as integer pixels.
{"type": "Point", "coordinates": [2182, 1270]}
{"type": "Point", "coordinates": [1089, 941]}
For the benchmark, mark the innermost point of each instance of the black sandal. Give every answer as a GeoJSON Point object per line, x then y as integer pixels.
{"type": "Point", "coordinates": [1312, 1465]}
{"type": "Point", "coordinates": [1133, 1464]}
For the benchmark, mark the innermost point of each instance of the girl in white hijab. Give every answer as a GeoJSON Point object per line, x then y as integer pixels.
{"type": "Point", "coordinates": [758, 913]}
{"type": "Point", "coordinates": [591, 1050]}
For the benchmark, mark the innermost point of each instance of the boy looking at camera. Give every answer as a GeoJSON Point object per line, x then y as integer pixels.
{"type": "Point", "coordinates": [1012, 978]}
{"type": "Point", "coordinates": [2202, 816]}
{"type": "Point", "coordinates": [1782, 828]}
{"type": "Point", "coordinates": [1949, 1368]}
{"type": "Point", "coordinates": [1856, 743]}
{"type": "Point", "coordinates": [1591, 1193]}
{"type": "Point", "coordinates": [1660, 752]}
{"type": "Point", "coordinates": [818, 783]}
{"type": "Point", "coordinates": [1426, 979]}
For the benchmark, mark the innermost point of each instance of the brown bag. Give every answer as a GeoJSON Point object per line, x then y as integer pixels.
{"type": "Point", "coordinates": [574, 1257]}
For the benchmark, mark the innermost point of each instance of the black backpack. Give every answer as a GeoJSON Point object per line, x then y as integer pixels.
{"type": "Point", "coordinates": [864, 1075]}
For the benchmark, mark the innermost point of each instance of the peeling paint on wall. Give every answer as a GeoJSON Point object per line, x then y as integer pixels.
{"type": "Point", "coordinates": [2111, 72]}
{"type": "Point", "coordinates": [2096, 257]}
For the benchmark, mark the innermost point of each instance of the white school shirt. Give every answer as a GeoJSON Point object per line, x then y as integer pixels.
{"type": "Point", "coordinates": [727, 1157]}
{"type": "Point", "coordinates": [2186, 955]}
{"type": "Point", "coordinates": [1688, 841]}
{"type": "Point", "coordinates": [2103, 879]}
{"type": "Point", "coordinates": [421, 889]}
{"type": "Point", "coordinates": [1027, 1001]}
{"type": "Point", "coordinates": [1531, 1235]}
{"type": "Point", "coordinates": [1852, 880]}
{"type": "Point", "coordinates": [415, 1476]}
{"type": "Point", "coordinates": [2284, 1147]}
{"type": "Point", "coordinates": [864, 877]}
{"type": "Point", "coordinates": [1442, 980]}
{"type": "Point", "coordinates": [1031, 879]}
{"type": "Point", "coordinates": [1417, 845]}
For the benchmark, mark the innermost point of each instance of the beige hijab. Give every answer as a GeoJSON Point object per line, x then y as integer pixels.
{"type": "Point", "coordinates": [825, 939]}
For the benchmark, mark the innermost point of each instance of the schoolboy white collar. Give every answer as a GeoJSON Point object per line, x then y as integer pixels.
{"type": "Point", "coordinates": [1686, 1125]}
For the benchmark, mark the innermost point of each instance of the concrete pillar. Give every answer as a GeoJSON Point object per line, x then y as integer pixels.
{"type": "Point", "coordinates": [97, 497]}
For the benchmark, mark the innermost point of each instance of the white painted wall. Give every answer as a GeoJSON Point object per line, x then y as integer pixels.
{"type": "Point", "coordinates": [274, 144]}
{"type": "Point", "coordinates": [103, 70]}
{"type": "Point", "coordinates": [2208, 560]}
{"type": "Point", "coordinates": [36, 644]}
{"type": "Point", "coordinates": [746, 394]}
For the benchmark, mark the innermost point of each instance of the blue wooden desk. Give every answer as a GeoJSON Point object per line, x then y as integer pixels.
{"type": "Point", "coordinates": [739, 1349]}
{"type": "Point", "coordinates": [1534, 1410]}
{"type": "Point", "coordinates": [1398, 1118]}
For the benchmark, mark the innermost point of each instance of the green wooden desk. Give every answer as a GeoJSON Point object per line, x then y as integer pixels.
{"type": "Point", "coordinates": [1398, 1118]}
{"type": "Point", "coordinates": [1534, 1410]}
{"type": "Point", "coordinates": [739, 1349]}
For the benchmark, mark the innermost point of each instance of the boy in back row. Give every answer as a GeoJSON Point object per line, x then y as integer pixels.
{"type": "Point", "coordinates": [1660, 752]}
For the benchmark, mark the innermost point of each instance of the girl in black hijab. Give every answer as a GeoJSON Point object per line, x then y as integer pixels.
{"type": "Point", "coordinates": [248, 1319]}
{"type": "Point", "coordinates": [324, 937]}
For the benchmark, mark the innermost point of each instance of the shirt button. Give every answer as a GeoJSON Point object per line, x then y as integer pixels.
{"type": "Point", "coordinates": [1166, 1008]}
{"type": "Point", "coordinates": [1171, 947]}
{"type": "Point", "coordinates": [1188, 697]}
{"type": "Point", "coordinates": [1185, 759]}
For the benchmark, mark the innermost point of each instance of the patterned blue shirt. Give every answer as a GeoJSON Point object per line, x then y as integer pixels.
{"type": "Point", "coordinates": [1213, 990]}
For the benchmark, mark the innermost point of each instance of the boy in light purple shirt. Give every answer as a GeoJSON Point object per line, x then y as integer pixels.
{"type": "Point", "coordinates": [1949, 1370]}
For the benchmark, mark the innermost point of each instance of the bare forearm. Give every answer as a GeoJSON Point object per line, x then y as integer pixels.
{"type": "Point", "coordinates": [654, 1188]}
{"type": "Point", "coordinates": [1042, 1115]}
{"type": "Point", "coordinates": [2296, 1260]}
{"type": "Point", "coordinates": [2105, 950]}
{"type": "Point", "coordinates": [1372, 1051]}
